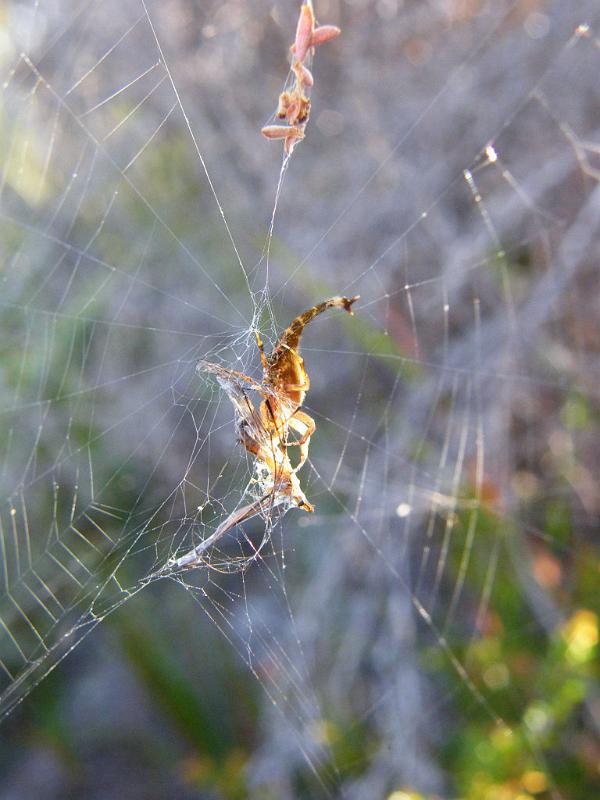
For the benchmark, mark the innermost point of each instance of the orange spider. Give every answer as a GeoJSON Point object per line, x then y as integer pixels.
{"type": "Point", "coordinates": [285, 375]}
{"type": "Point", "coordinates": [265, 433]}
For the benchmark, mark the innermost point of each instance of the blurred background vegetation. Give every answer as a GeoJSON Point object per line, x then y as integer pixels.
{"type": "Point", "coordinates": [433, 631]}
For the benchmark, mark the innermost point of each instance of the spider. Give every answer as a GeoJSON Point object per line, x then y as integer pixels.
{"type": "Point", "coordinates": [285, 376]}
{"type": "Point", "coordinates": [265, 432]}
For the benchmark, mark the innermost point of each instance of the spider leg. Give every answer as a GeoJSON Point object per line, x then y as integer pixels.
{"type": "Point", "coordinates": [305, 426]}
{"type": "Point", "coordinates": [261, 350]}
{"type": "Point", "coordinates": [299, 387]}
{"type": "Point", "coordinates": [290, 338]}
{"type": "Point", "coordinates": [302, 424]}
{"type": "Point", "coordinates": [193, 558]}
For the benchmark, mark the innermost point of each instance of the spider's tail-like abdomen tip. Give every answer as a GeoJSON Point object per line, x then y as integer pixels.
{"type": "Point", "coordinates": [348, 303]}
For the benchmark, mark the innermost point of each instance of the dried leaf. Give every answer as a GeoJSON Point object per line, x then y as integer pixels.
{"type": "Point", "coordinates": [325, 33]}
{"type": "Point", "coordinates": [304, 31]}
{"type": "Point", "coordinates": [282, 132]}
{"type": "Point", "coordinates": [303, 74]}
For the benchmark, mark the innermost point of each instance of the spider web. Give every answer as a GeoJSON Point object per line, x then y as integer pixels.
{"type": "Point", "coordinates": [449, 178]}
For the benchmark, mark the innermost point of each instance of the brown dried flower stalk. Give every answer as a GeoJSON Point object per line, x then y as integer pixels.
{"type": "Point", "coordinates": [294, 105]}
